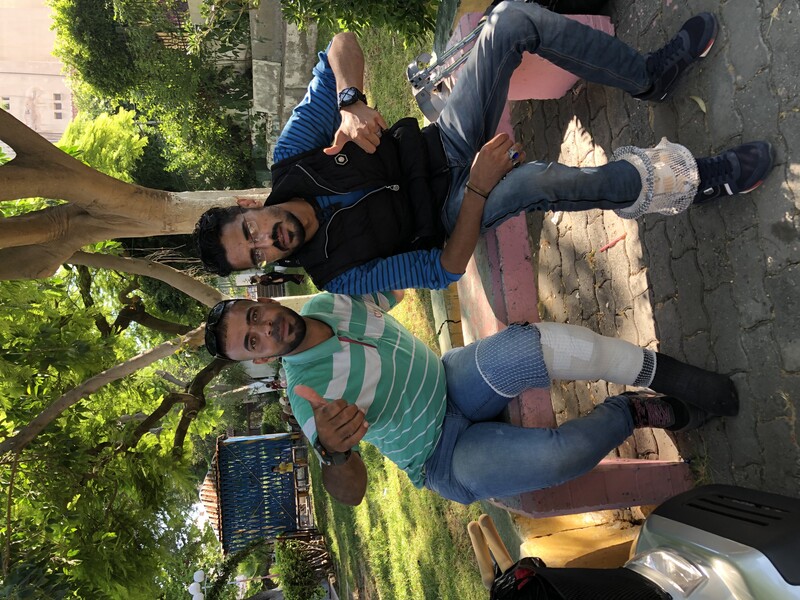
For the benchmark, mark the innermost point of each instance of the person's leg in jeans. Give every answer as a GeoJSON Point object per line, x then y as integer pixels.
{"type": "Point", "coordinates": [474, 108]}
{"type": "Point", "coordinates": [490, 458]}
{"type": "Point", "coordinates": [479, 457]}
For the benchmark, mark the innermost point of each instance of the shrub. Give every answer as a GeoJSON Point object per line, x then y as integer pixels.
{"type": "Point", "coordinates": [410, 18]}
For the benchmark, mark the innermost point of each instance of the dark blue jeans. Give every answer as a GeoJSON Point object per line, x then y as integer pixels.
{"type": "Point", "coordinates": [474, 108]}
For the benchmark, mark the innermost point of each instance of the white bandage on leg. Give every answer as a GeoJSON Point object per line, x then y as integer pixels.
{"type": "Point", "coordinates": [577, 353]}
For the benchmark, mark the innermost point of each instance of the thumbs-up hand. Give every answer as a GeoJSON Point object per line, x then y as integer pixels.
{"type": "Point", "coordinates": [361, 124]}
{"type": "Point", "coordinates": [340, 425]}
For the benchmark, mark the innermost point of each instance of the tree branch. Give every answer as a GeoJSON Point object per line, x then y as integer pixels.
{"type": "Point", "coordinates": [152, 420]}
{"type": "Point", "coordinates": [27, 433]}
{"type": "Point", "coordinates": [195, 391]}
{"type": "Point", "coordinates": [138, 314]}
{"type": "Point", "coordinates": [172, 379]}
{"type": "Point", "coordinates": [27, 144]}
{"type": "Point", "coordinates": [85, 287]}
{"type": "Point", "coordinates": [7, 550]}
{"type": "Point", "coordinates": [181, 281]}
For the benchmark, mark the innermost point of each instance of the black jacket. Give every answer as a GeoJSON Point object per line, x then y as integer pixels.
{"type": "Point", "coordinates": [409, 175]}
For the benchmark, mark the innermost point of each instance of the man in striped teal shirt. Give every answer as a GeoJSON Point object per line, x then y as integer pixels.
{"type": "Point", "coordinates": [355, 373]}
{"type": "Point", "coordinates": [362, 207]}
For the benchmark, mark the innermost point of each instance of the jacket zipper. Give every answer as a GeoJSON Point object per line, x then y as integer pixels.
{"type": "Point", "coordinates": [317, 183]}
{"type": "Point", "coordinates": [393, 187]}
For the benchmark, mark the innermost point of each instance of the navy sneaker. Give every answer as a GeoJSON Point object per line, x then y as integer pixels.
{"type": "Point", "coordinates": [667, 65]}
{"type": "Point", "coordinates": [736, 171]}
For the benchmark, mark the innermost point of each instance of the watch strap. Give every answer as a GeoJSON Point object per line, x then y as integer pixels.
{"type": "Point", "coordinates": [331, 458]}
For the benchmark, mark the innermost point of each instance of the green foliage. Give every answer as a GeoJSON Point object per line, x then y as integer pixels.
{"type": "Point", "coordinates": [152, 168]}
{"type": "Point", "coordinates": [32, 578]}
{"type": "Point", "coordinates": [88, 520]}
{"type": "Point", "coordinates": [170, 79]}
{"type": "Point", "coordinates": [298, 580]}
{"type": "Point", "coordinates": [410, 18]}
{"type": "Point", "coordinates": [109, 143]}
{"type": "Point", "coordinates": [386, 56]}
{"type": "Point", "coordinates": [271, 421]}
{"type": "Point", "coordinates": [168, 303]}
{"type": "Point", "coordinates": [220, 587]}
{"type": "Point", "coordinates": [400, 542]}
{"type": "Point", "coordinates": [92, 43]}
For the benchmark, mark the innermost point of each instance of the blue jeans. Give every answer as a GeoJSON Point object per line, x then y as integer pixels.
{"type": "Point", "coordinates": [478, 457]}
{"type": "Point", "coordinates": [474, 108]}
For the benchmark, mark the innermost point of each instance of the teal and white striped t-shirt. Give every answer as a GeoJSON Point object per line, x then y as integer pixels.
{"type": "Point", "coordinates": [376, 363]}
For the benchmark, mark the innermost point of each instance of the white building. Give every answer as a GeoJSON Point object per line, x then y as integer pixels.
{"type": "Point", "coordinates": [32, 85]}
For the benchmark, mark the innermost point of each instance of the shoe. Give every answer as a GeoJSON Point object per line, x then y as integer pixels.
{"type": "Point", "coordinates": [663, 412]}
{"type": "Point", "coordinates": [710, 392]}
{"type": "Point", "coordinates": [739, 170]}
{"type": "Point", "coordinates": [667, 65]}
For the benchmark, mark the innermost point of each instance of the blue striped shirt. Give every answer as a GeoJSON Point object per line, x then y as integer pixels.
{"type": "Point", "coordinates": [312, 125]}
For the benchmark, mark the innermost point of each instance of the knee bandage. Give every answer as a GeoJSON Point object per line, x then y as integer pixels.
{"type": "Point", "coordinates": [577, 353]}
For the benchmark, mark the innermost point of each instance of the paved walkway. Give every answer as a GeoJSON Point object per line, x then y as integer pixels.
{"type": "Point", "coordinates": [717, 286]}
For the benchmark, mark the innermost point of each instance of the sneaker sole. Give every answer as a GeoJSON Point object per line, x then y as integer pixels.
{"type": "Point", "coordinates": [769, 169]}
{"type": "Point", "coordinates": [713, 39]}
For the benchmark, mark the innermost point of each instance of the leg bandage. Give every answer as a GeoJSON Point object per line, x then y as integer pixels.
{"type": "Point", "coordinates": [511, 361]}
{"type": "Point", "coordinates": [669, 178]}
{"type": "Point", "coordinates": [577, 353]}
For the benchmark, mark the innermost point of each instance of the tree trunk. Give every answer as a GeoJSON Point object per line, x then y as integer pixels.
{"type": "Point", "coordinates": [100, 207]}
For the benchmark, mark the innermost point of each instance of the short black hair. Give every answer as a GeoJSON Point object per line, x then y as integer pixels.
{"type": "Point", "coordinates": [207, 235]}
{"type": "Point", "coordinates": [216, 326]}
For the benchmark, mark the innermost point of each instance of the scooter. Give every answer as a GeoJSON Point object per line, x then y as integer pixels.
{"type": "Point", "coordinates": [713, 542]}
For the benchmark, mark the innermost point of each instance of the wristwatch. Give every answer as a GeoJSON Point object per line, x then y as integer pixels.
{"type": "Point", "coordinates": [349, 96]}
{"type": "Point", "coordinates": [331, 459]}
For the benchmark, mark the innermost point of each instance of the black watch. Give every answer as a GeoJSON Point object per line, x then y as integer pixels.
{"type": "Point", "coordinates": [331, 459]}
{"type": "Point", "coordinates": [350, 96]}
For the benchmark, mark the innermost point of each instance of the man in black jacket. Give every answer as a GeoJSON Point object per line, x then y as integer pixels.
{"type": "Point", "coordinates": [371, 209]}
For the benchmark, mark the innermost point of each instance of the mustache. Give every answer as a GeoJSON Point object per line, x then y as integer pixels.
{"type": "Point", "coordinates": [276, 239]}
{"type": "Point", "coordinates": [277, 327]}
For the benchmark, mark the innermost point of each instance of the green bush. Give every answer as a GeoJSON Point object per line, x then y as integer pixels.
{"type": "Point", "coordinates": [298, 580]}
{"type": "Point", "coordinates": [410, 18]}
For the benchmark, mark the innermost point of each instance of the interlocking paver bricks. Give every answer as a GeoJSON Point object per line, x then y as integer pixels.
{"type": "Point", "coordinates": [718, 286]}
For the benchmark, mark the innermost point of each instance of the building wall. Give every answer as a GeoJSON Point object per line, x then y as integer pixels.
{"type": "Point", "coordinates": [283, 58]}
{"type": "Point", "coordinates": [32, 86]}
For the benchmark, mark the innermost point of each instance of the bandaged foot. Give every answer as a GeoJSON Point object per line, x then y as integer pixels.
{"type": "Point", "coordinates": [669, 178]}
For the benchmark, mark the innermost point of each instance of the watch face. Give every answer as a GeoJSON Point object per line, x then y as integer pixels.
{"type": "Point", "coordinates": [350, 96]}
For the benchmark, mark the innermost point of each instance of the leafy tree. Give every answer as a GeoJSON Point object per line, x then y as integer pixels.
{"type": "Point", "coordinates": [96, 503]}
{"type": "Point", "coordinates": [271, 421]}
{"type": "Point", "coordinates": [167, 79]}
{"type": "Point", "coordinates": [95, 46]}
